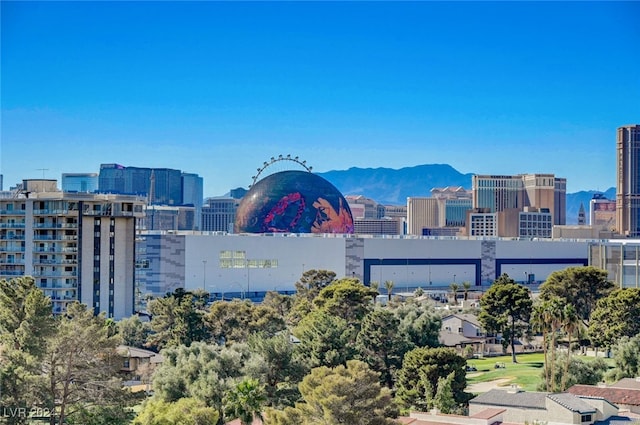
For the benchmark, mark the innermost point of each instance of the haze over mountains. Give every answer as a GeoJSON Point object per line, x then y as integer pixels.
{"type": "Point", "coordinates": [393, 186]}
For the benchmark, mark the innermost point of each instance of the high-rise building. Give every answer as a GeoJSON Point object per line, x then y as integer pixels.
{"type": "Point", "coordinates": [192, 194]}
{"type": "Point", "coordinates": [80, 182]}
{"type": "Point", "coordinates": [510, 194]}
{"type": "Point", "coordinates": [161, 186]}
{"type": "Point", "coordinates": [453, 204]}
{"type": "Point", "coordinates": [219, 214]}
{"type": "Point", "coordinates": [602, 212]}
{"type": "Point", "coordinates": [628, 181]}
{"type": "Point", "coordinates": [77, 246]}
{"type": "Point", "coordinates": [422, 212]}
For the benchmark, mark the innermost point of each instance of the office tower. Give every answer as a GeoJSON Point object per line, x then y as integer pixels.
{"type": "Point", "coordinates": [80, 182]}
{"type": "Point", "coordinates": [192, 194]}
{"type": "Point", "coordinates": [219, 214]}
{"type": "Point", "coordinates": [77, 246]}
{"type": "Point", "coordinates": [163, 186]}
{"type": "Point", "coordinates": [422, 213]}
{"type": "Point", "coordinates": [628, 181]}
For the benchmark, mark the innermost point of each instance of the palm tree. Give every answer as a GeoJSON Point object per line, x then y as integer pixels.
{"type": "Point", "coordinates": [389, 285]}
{"type": "Point", "coordinates": [245, 401]}
{"type": "Point", "coordinates": [454, 289]}
{"type": "Point", "coordinates": [466, 286]}
{"type": "Point", "coordinates": [571, 323]}
{"type": "Point", "coordinates": [375, 285]}
{"type": "Point", "coordinates": [540, 323]}
{"type": "Point", "coordinates": [555, 315]}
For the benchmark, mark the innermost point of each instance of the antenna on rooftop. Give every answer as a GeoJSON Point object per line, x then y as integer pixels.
{"type": "Point", "coordinates": [43, 170]}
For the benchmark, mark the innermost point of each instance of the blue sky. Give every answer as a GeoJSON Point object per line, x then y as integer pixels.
{"type": "Point", "coordinates": [216, 88]}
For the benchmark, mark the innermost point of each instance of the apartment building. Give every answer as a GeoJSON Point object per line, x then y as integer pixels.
{"type": "Point", "coordinates": [77, 246]}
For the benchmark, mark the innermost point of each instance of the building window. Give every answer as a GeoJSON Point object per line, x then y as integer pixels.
{"type": "Point", "coordinates": [586, 418]}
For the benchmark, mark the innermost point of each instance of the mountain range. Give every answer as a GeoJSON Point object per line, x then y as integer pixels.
{"type": "Point", "coordinates": [392, 186]}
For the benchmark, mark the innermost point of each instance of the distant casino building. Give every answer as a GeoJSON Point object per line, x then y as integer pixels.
{"type": "Point", "coordinates": [542, 195]}
{"type": "Point", "coordinates": [628, 181]}
{"type": "Point", "coordinates": [161, 186]}
{"type": "Point", "coordinates": [80, 182]}
{"type": "Point", "coordinates": [218, 214]}
{"type": "Point", "coordinates": [602, 212]}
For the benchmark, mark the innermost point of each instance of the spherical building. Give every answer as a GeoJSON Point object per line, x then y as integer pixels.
{"type": "Point", "coordinates": [293, 202]}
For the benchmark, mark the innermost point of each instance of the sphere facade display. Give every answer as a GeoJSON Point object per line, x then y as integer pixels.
{"type": "Point", "coordinates": [293, 202]}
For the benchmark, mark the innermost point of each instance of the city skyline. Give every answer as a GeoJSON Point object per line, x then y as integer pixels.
{"type": "Point", "coordinates": [216, 88]}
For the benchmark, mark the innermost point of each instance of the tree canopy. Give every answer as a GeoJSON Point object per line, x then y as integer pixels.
{"type": "Point", "coordinates": [615, 316]}
{"type": "Point", "coordinates": [581, 286]}
{"type": "Point", "coordinates": [348, 394]}
{"type": "Point", "coordinates": [506, 308]}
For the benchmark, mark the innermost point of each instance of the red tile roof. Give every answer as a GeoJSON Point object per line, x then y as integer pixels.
{"type": "Point", "coordinates": [626, 396]}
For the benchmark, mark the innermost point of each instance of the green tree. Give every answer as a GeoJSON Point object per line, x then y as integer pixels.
{"type": "Point", "coordinates": [381, 345]}
{"type": "Point", "coordinates": [274, 364]}
{"type": "Point", "coordinates": [580, 286]}
{"type": "Point", "coordinates": [26, 321]}
{"type": "Point", "coordinates": [580, 372]}
{"type": "Point", "coordinates": [186, 411]}
{"type": "Point", "coordinates": [341, 395]}
{"type": "Point", "coordinates": [81, 364]}
{"type": "Point", "coordinates": [375, 285]}
{"type": "Point", "coordinates": [307, 289]}
{"type": "Point", "coordinates": [233, 321]}
{"type": "Point", "coordinates": [388, 284]}
{"type": "Point", "coordinates": [177, 319]}
{"type": "Point", "coordinates": [615, 316]}
{"type": "Point", "coordinates": [443, 399]}
{"type": "Point", "coordinates": [466, 287]}
{"type": "Point", "coordinates": [454, 292]}
{"type": "Point", "coordinates": [325, 340]}
{"type": "Point", "coordinates": [280, 303]}
{"type": "Point", "coordinates": [541, 323]}
{"type": "Point", "coordinates": [348, 299]}
{"type": "Point", "coordinates": [245, 401]}
{"type": "Point", "coordinates": [419, 323]}
{"type": "Point", "coordinates": [312, 282]}
{"type": "Point", "coordinates": [506, 308]}
{"type": "Point", "coordinates": [626, 357]}
{"type": "Point", "coordinates": [571, 324]}
{"type": "Point", "coordinates": [201, 371]}
{"type": "Point", "coordinates": [422, 365]}
{"type": "Point", "coordinates": [133, 332]}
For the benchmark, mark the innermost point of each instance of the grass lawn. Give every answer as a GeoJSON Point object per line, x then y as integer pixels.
{"type": "Point", "coordinates": [526, 373]}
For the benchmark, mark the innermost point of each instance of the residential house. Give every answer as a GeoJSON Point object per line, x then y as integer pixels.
{"type": "Point", "coordinates": [557, 408]}
{"type": "Point", "coordinates": [625, 398]}
{"type": "Point", "coordinates": [138, 364]}
{"type": "Point", "coordinates": [460, 331]}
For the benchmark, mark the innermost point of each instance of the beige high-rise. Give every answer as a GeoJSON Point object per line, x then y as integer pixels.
{"type": "Point", "coordinates": [628, 182]}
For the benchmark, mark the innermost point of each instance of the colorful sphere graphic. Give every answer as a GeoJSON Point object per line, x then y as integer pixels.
{"type": "Point", "coordinates": [293, 202]}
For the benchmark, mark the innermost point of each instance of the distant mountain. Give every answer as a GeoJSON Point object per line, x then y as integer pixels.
{"type": "Point", "coordinates": [392, 187]}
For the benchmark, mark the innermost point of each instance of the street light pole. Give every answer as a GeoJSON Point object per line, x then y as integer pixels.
{"type": "Point", "coordinates": [204, 275]}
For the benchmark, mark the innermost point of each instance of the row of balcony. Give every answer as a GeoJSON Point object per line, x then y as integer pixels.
{"type": "Point", "coordinates": [12, 237]}
{"type": "Point", "coordinates": [57, 249]}
{"type": "Point", "coordinates": [55, 238]}
{"type": "Point", "coordinates": [12, 248]}
{"type": "Point", "coordinates": [12, 212]}
{"type": "Point", "coordinates": [54, 261]}
{"type": "Point", "coordinates": [51, 225]}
